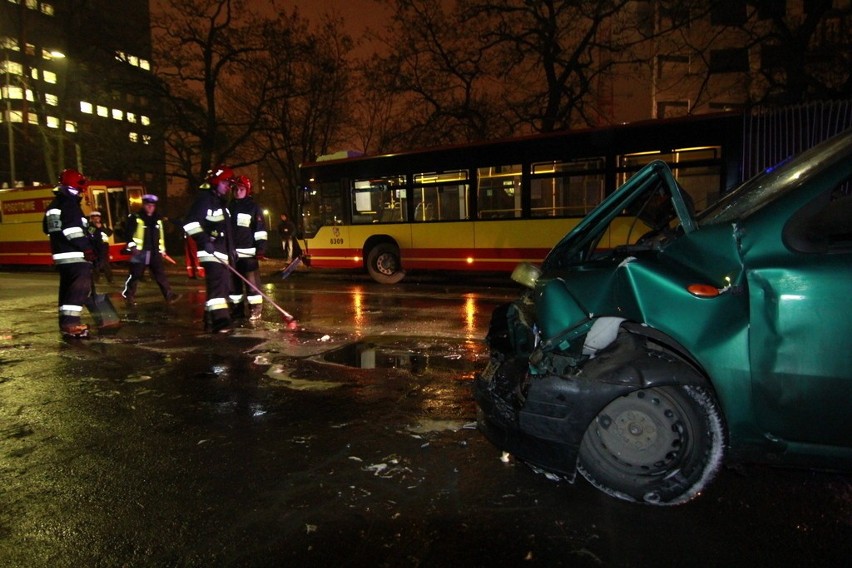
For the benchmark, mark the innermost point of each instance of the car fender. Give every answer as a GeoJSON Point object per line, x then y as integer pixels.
{"type": "Point", "coordinates": [560, 408]}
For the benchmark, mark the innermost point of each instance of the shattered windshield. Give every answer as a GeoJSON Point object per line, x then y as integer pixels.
{"type": "Point", "coordinates": [777, 181]}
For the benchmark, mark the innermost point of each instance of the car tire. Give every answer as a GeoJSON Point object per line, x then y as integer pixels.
{"type": "Point", "coordinates": [659, 445]}
{"type": "Point", "coordinates": [384, 265]}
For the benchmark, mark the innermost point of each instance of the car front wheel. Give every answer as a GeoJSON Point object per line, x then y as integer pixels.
{"type": "Point", "coordinates": [660, 445]}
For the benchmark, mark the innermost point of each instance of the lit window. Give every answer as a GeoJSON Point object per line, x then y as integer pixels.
{"type": "Point", "coordinates": [52, 122]}
{"type": "Point", "coordinates": [30, 96]}
{"type": "Point", "coordinates": [13, 68]}
{"type": "Point", "coordinates": [70, 126]}
{"type": "Point", "coordinates": [117, 114]}
{"type": "Point", "coordinates": [146, 139]}
{"type": "Point", "coordinates": [16, 116]}
{"type": "Point", "coordinates": [102, 111]}
{"type": "Point", "coordinates": [49, 77]}
{"type": "Point", "coordinates": [9, 43]}
{"type": "Point", "coordinates": [145, 64]}
{"type": "Point", "coordinates": [131, 117]}
{"type": "Point", "coordinates": [134, 60]}
{"type": "Point", "coordinates": [47, 9]}
{"type": "Point", "coordinates": [134, 137]}
{"type": "Point", "coordinates": [52, 100]}
{"type": "Point", "coordinates": [32, 4]}
{"type": "Point", "coordinates": [86, 108]}
{"type": "Point", "coordinates": [13, 92]}
{"type": "Point", "coordinates": [145, 120]}
{"type": "Point", "coordinates": [32, 118]}
{"type": "Point", "coordinates": [34, 73]}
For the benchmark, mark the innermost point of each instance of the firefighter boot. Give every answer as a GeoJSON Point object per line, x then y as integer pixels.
{"type": "Point", "coordinates": [256, 312]}
{"type": "Point", "coordinates": [75, 330]}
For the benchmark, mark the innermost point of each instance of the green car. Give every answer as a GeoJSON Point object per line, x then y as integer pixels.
{"type": "Point", "coordinates": [722, 336]}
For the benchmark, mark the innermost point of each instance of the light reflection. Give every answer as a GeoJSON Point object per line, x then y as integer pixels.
{"type": "Point", "coordinates": [358, 308]}
{"type": "Point", "coordinates": [470, 315]}
{"type": "Point", "coordinates": [793, 297]}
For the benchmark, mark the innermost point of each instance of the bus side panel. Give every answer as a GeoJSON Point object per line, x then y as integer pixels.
{"type": "Point", "coordinates": [25, 252]}
{"type": "Point", "coordinates": [332, 247]}
{"type": "Point", "coordinates": [502, 244]}
{"type": "Point", "coordinates": [448, 246]}
{"type": "Point", "coordinates": [22, 240]}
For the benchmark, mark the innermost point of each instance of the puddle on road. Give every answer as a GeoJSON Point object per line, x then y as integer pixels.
{"type": "Point", "coordinates": [417, 356]}
{"type": "Point", "coordinates": [436, 358]}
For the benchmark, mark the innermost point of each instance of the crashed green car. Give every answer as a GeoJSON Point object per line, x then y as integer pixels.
{"type": "Point", "coordinates": [709, 338]}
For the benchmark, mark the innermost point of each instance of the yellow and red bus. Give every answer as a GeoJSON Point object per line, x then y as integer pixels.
{"type": "Point", "coordinates": [489, 206]}
{"type": "Point", "coordinates": [21, 210]}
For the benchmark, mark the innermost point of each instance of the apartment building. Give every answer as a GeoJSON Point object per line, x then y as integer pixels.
{"type": "Point", "coordinates": [73, 81]}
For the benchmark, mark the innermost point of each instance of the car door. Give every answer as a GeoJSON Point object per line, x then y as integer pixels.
{"type": "Point", "coordinates": [801, 325]}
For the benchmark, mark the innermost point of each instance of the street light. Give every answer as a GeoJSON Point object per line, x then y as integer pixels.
{"type": "Point", "coordinates": [12, 174]}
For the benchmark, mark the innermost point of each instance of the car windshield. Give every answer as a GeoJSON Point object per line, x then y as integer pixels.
{"type": "Point", "coordinates": [776, 181]}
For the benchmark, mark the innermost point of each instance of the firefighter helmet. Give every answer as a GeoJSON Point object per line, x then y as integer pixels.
{"type": "Point", "coordinates": [73, 179]}
{"type": "Point", "coordinates": [243, 181]}
{"type": "Point", "coordinates": [219, 174]}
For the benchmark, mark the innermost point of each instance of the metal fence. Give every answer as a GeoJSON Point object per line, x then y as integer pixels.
{"type": "Point", "coordinates": [770, 136]}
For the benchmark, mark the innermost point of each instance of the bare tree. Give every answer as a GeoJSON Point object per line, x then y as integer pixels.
{"type": "Point", "coordinates": [554, 54]}
{"type": "Point", "coordinates": [308, 105]}
{"type": "Point", "coordinates": [203, 48]}
{"type": "Point", "coordinates": [435, 79]}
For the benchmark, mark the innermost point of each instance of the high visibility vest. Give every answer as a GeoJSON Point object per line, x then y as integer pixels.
{"type": "Point", "coordinates": [139, 234]}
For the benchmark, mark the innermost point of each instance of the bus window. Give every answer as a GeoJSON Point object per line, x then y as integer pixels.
{"type": "Point", "coordinates": [380, 200]}
{"type": "Point", "coordinates": [440, 196]}
{"type": "Point", "coordinates": [696, 170]}
{"type": "Point", "coordinates": [499, 192]}
{"type": "Point", "coordinates": [561, 189]}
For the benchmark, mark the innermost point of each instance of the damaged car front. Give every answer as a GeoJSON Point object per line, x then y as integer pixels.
{"type": "Point", "coordinates": [632, 364]}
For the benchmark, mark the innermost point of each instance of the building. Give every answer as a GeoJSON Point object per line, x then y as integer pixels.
{"type": "Point", "coordinates": [711, 56]}
{"type": "Point", "coordinates": [74, 80]}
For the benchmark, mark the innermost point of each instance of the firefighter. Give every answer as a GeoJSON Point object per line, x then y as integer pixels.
{"type": "Point", "coordinates": [146, 247]}
{"type": "Point", "coordinates": [209, 223]}
{"type": "Point", "coordinates": [66, 225]}
{"type": "Point", "coordinates": [250, 236]}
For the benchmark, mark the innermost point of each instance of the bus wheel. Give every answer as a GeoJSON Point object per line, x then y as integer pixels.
{"type": "Point", "coordinates": [384, 265]}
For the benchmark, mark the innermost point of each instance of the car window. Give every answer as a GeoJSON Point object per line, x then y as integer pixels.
{"type": "Point", "coordinates": [824, 224]}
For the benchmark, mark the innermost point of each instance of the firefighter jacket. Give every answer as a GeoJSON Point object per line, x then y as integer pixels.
{"type": "Point", "coordinates": [209, 223]}
{"type": "Point", "coordinates": [145, 232]}
{"type": "Point", "coordinates": [249, 228]}
{"type": "Point", "coordinates": [66, 226]}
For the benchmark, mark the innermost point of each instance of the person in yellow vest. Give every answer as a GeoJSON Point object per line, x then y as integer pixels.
{"type": "Point", "coordinates": [146, 246]}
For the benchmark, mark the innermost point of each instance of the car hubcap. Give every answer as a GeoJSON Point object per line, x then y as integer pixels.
{"type": "Point", "coordinates": [642, 430]}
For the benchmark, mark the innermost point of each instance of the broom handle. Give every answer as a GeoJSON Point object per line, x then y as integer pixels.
{"type": "Point", "coordinates": [287, 316]}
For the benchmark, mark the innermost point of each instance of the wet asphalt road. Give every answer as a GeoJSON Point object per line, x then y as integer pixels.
{"type": "Point", "coordinates": [160, 445]}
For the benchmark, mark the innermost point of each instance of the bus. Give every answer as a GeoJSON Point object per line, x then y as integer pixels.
{"type": "Point", "coordinates": [22, 241]}
{"type": "Point", "coordinates": [489, 206]}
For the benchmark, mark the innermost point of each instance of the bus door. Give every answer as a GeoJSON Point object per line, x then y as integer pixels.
{"type": "Point", "coordinates": [115, 204]}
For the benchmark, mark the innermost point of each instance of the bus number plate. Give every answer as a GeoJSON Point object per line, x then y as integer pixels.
{"type": "Point", "coordinates": [337, 241]}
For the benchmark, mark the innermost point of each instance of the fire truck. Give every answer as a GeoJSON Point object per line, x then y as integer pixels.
{"type": "Point", "coordinates": [22, 241]}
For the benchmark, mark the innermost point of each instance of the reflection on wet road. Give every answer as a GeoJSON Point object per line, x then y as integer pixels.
{"type": "Point", "coordinates": [348, 441]}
